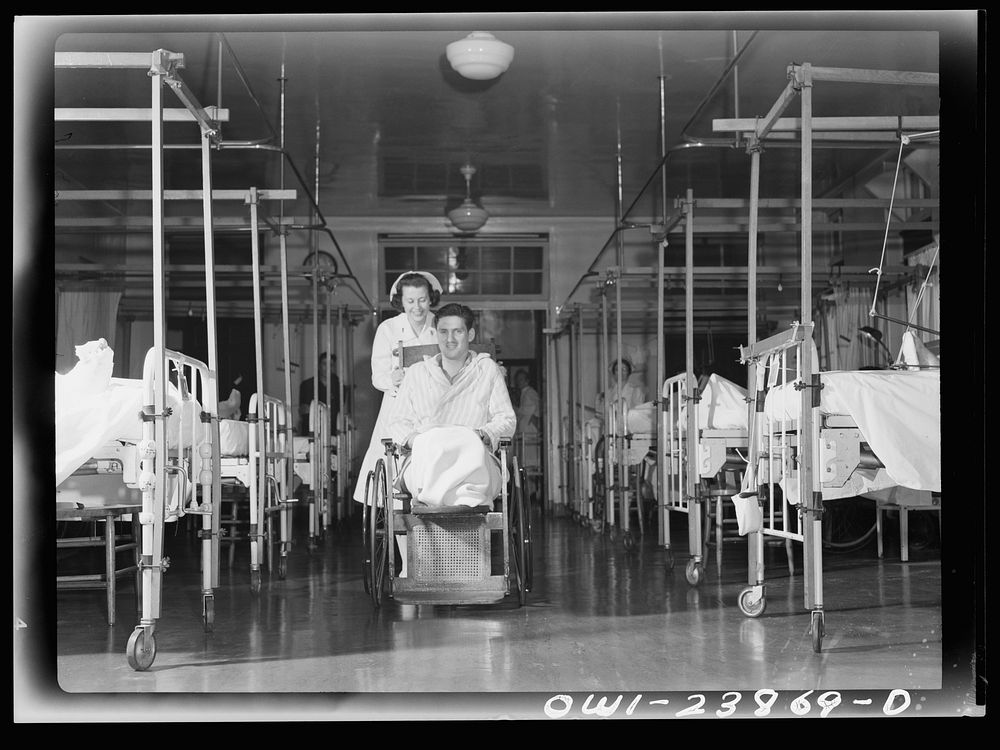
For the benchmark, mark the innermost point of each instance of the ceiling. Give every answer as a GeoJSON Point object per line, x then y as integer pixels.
{"type": "Point", "coordinates": [375, 124]}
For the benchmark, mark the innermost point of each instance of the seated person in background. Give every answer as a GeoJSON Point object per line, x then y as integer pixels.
{"type": "Point", "coordinates": [626, 394]}
{"type": "Point", "coordinates": [451, 411]}
{"type": "Point", "coordinates": [306, 395]}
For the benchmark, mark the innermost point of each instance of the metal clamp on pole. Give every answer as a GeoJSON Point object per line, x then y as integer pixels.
{"type": "Point", "coordinates": [146, 563]}
{"type": "Point", "coordinates": [148, 415]}
{"type": "Point", "coordinates": [816, 385]}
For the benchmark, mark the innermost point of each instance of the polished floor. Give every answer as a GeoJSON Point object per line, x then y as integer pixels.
{"type": "Point", "coordinates": [600, 619]}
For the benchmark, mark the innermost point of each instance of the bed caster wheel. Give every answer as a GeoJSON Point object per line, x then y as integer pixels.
{"type": "Point", "coordinates": [595, 525]}
{"type": "Point", "coordinates": [208, 612]}
{"type": "Point", "coordinates": [694, 572]}
{"type": "Point", "coordinates": [628, 541]}
{"type": "Point", "coordinates": [141, 649]}
{"type": "Point", "coordinates": [668, 560]}
{"type": "Point", "coordinates": [612, 533]}
{"type": "Point", "coordinates": [282, 568]}
{"type": "Point", "coordinates": [818, 628]}
{"type": "Point", "coordinates": [255, 581]}
{"type": "Point", "coordinates": [574, 516]}
{"type": "Point", "coordinates": [750, 604]}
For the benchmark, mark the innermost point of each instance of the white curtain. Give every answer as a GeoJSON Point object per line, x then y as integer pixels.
{"type": "Point", "coordinates": [843, 313]}
{"type": "Point", "coordinates": [923, 295]}
{"type": "Point", "coordinates": [84, 315]}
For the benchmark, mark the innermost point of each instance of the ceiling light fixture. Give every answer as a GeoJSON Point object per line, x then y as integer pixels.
{"type": "Point", "coordinates": [480, 56]}
{"type": "Point", "coordinates": [468, 217]}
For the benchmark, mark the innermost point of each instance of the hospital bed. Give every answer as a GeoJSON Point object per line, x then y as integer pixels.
{"type": "Point", "coordinates": [698, 475]}
{"type": "Point", "coordinates": [868, 431]}
{"type": "Point", "coordinates": [455, 554]}
{"type": "Point", "coordinates": [312, 461]}
{"type": "Point", "coordinates": [168, 452]}
{"type": "Point", "coordinates": [254, 457]}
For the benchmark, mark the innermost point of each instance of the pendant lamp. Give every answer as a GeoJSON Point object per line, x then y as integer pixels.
{"type": "Point", "coordinates": [480, 56]}
{"type": "Point", "coordinates": [468, 217]}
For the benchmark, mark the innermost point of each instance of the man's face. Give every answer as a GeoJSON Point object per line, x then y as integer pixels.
{"type": "Point", "coordinates": [454, 338]}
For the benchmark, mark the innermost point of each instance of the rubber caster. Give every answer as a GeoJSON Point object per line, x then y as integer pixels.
{"type": "Point", "coordinates": [208, 613]}
{"type": "Point", "coordinates": [141, 649]}
{"type": "Point", "coordinates": [628, 541]}
{"type": "Point", "coordinates": [750, 606]}
{"type": "Point", "coordinates": [596, 525]}
{"type": "Point", "coordinates": [818, 628]}
{"type": "Point", "coordinates": [282, 568]}
{"type": "Point", "coordinates": [694, 572]}
{"type": "Point", "coordinates": [612, 534]}
{"type": "Point", "coordinates": [669, 560]}
{"type": "Point", "coordinates": [255, 581]}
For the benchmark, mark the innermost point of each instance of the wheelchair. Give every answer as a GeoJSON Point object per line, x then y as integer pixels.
{"type": "Point", "coordinates": [456, 555]}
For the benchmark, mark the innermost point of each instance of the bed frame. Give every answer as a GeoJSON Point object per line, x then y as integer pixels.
{"type": "Point", "coordinates": [263, 472]}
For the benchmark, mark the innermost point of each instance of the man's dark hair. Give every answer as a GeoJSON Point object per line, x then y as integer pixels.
{"type": "Point", "coordinates": [414, 280]}
{"type": "Point", "coordinates": [454, 309]}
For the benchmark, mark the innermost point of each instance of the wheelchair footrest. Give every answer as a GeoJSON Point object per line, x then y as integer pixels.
{"type": "Point", "coordinates": [450, 551]}
{"type": "Point", "coordinates": [486, 591]}
{"type": "Point", "coordinates": [450, 510]}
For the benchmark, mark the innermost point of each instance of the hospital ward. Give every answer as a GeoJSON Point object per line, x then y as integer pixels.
{"type": "Point", "coordinates": [480, 366]}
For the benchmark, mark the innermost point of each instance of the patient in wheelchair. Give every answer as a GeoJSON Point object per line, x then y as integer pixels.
{"type": "Point", "coordinates": [451, 412]}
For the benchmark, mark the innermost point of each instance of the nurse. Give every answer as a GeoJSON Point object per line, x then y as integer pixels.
{"type": "Point", "coordinates": [414, 294]}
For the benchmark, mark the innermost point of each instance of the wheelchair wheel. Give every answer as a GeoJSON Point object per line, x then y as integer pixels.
{"type": "Point", "coordinates": [366, 533]}
{"type": "Point", "coordinates": [520, 536]}
{"type": "Point", "coordinates": [379, 538]}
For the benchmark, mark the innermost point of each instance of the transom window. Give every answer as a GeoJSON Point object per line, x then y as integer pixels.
{"type": "Point", "coordinates": [504, 267]}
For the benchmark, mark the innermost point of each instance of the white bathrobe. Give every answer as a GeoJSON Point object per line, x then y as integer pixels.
{"type": "Point", "coordinates": [449, 464]}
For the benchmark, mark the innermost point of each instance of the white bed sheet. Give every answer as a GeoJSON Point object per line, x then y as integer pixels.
{"type": "Point", "coordinates": [84, 424]}
{"type": "Point", "coordinates": [723, 406]}
{"type": "Point", "coordinates": [234, 438]}
{"type": "Point", "coordinates": [897, 411]}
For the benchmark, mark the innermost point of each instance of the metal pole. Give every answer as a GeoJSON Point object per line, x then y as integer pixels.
{"type": "Point", "coordinates": [619, 485]}
{"type": "Point", "coordinates": [339, 347]}
{"type": "Point", "coordinates": [211, 523]}
{"type": "Point", "coordinates": [583, 478]}
{"type": "Point", "coordinates": [257, 513]}
{"type": "Point", "coordinates": [812, 501]}
{"type": "Point", "coordinates": [330, 349]}
{"type": "Point", "coordinates": [289, 460]}
{"type": "Point", "coordinates": [755, 540]}
{"type": "Point", "coordinates": [691, 457]}
{"type": "Point", "coordinates": [609, 451]}
{"type": "Point", "coordinates": [663, 527]}
{"type": "Point", "coordinates": [153, 574]}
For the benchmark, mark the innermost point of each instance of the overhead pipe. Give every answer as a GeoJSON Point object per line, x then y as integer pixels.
{"type": "Point", "coordinates": [688, 142]}
{"type": "Point", "coordinates": [263, 144]}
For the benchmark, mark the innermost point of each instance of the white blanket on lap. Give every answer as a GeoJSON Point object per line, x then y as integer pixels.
{"type": "Point", "coordinates": [452, 466]}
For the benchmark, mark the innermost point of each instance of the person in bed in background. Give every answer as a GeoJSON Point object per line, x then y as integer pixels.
{"type": "Point", "coordinates": [414, 294]}
{"type": "Point", "coordinates": [451, 411]}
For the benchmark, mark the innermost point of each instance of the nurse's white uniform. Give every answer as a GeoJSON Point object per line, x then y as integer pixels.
{"type": "Point", "coordinates": [387, 337]}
